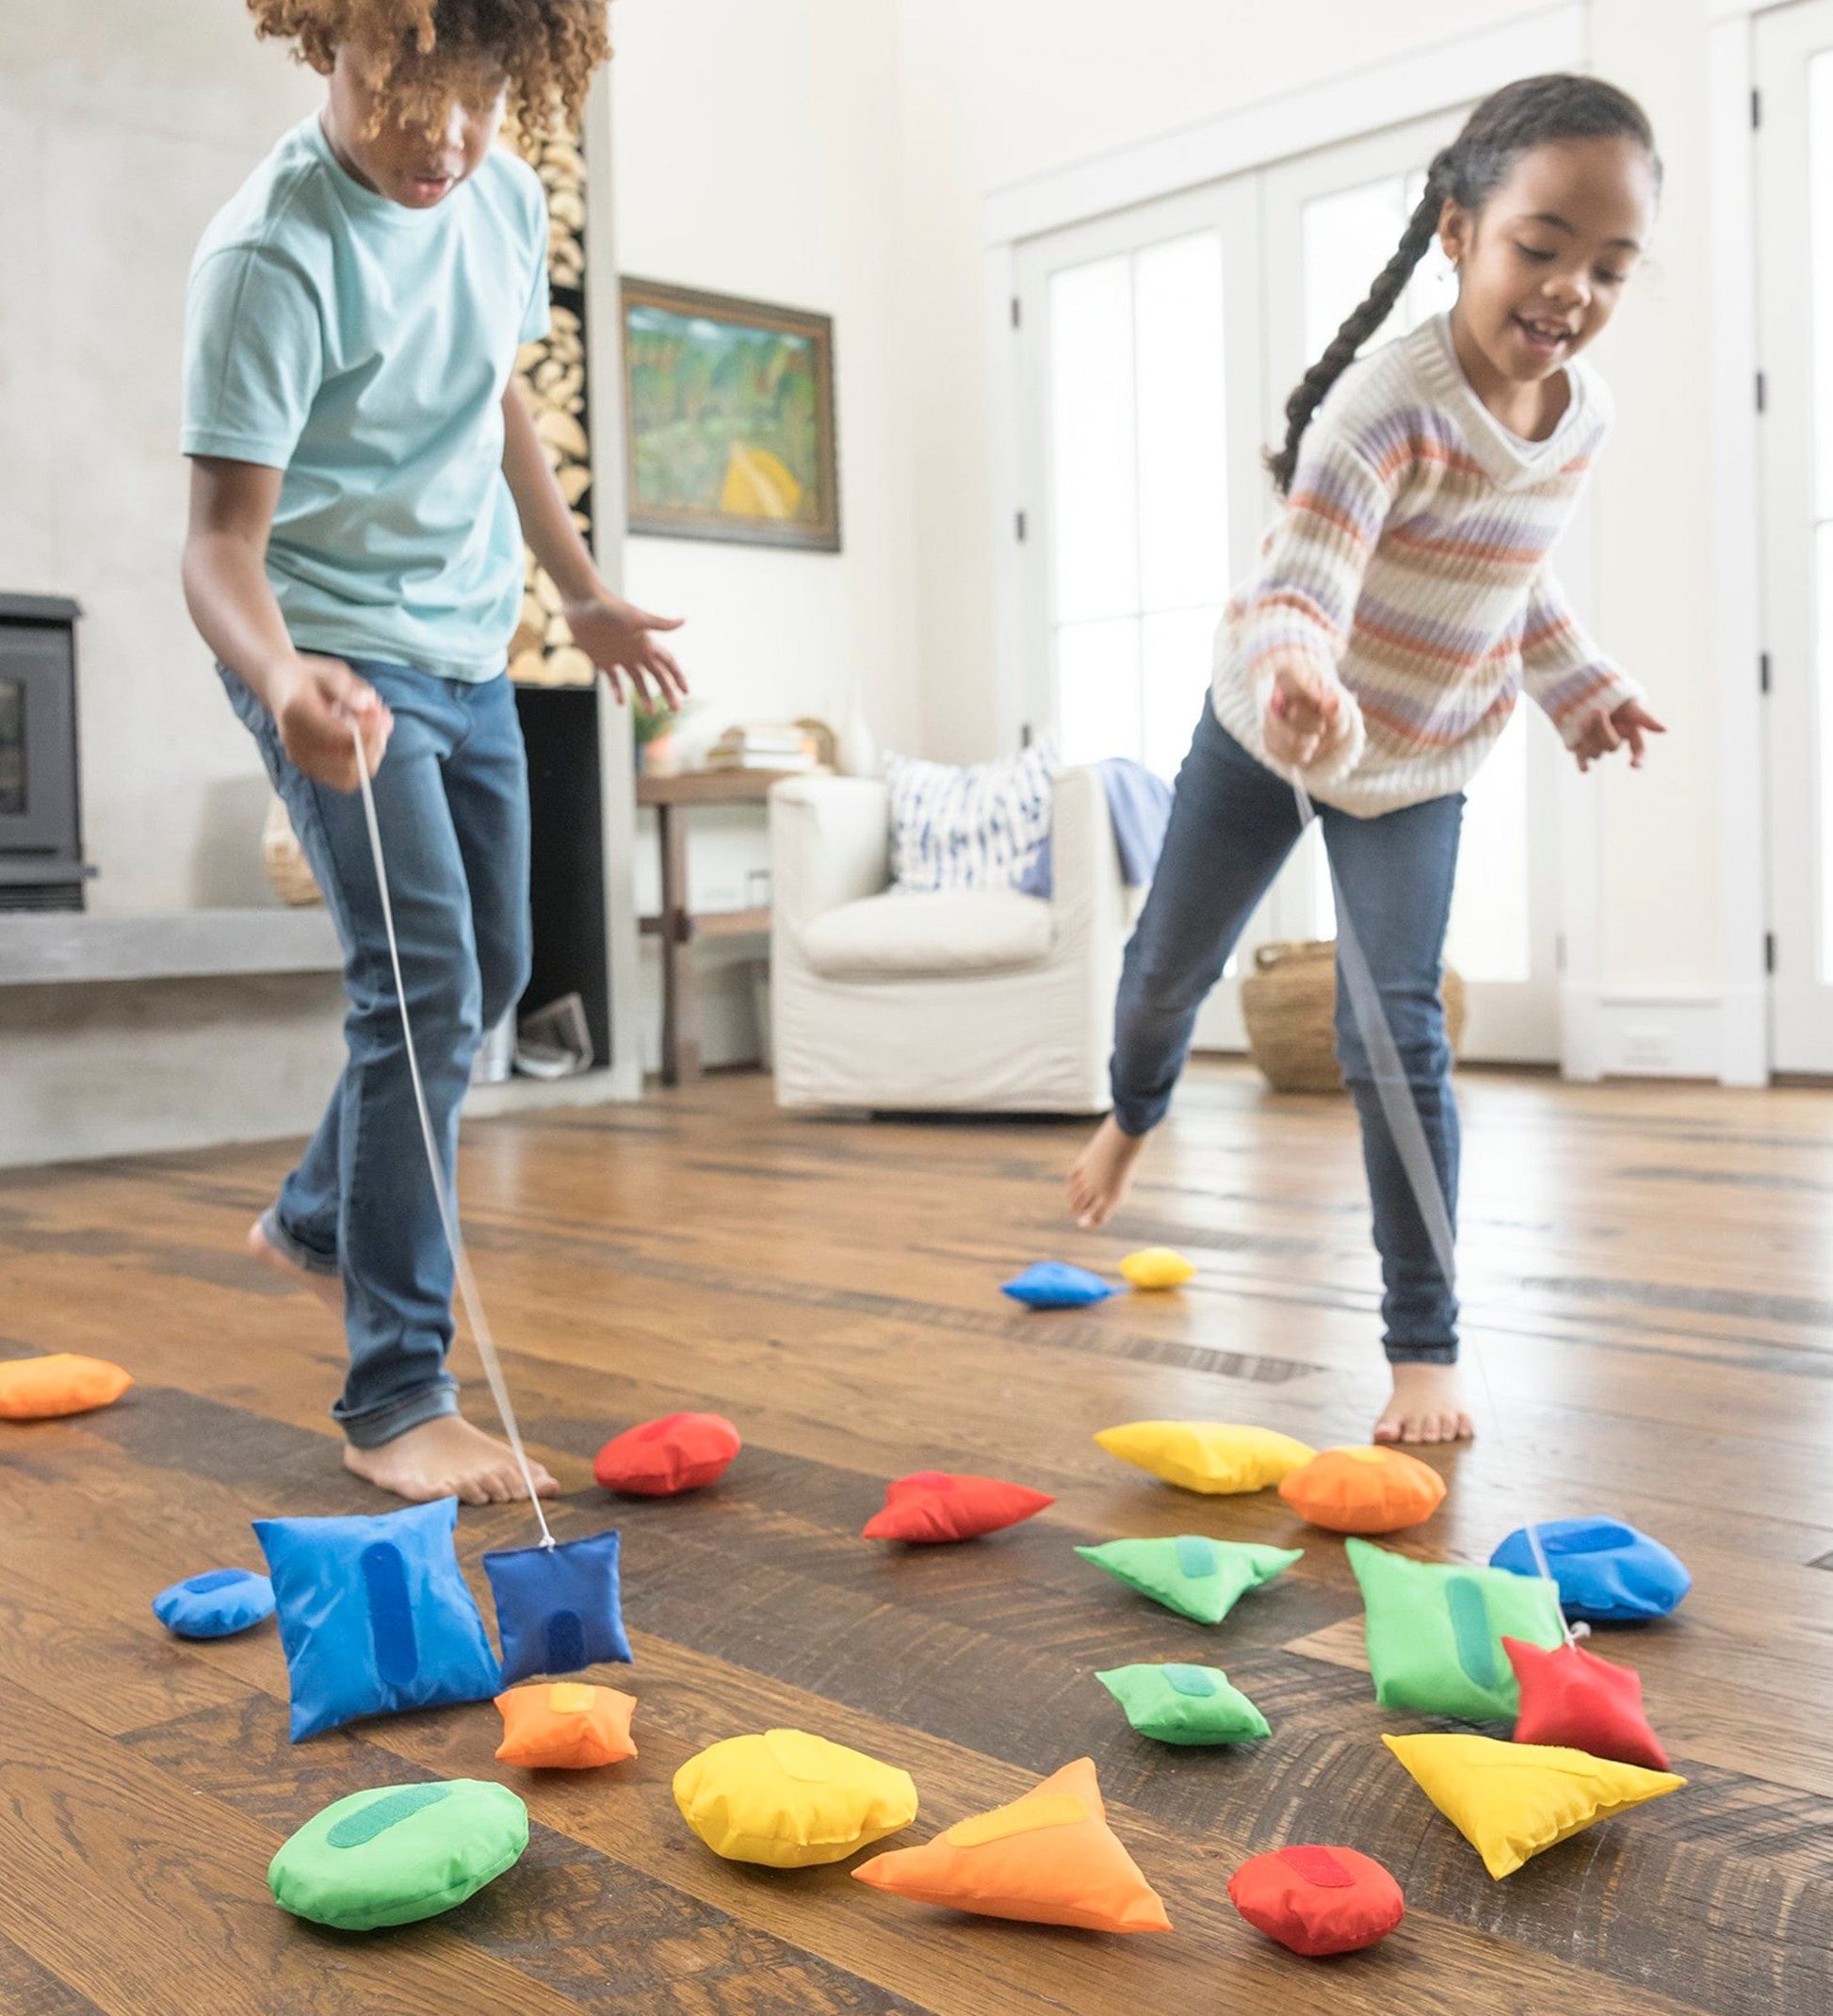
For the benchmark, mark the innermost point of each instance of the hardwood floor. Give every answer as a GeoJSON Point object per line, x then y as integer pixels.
{"type": "Point", "coordinates": [1649, 1281]}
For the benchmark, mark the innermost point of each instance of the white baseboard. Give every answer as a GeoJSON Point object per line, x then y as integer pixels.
{"type": "Point", "coordinates": [1717, 1035]}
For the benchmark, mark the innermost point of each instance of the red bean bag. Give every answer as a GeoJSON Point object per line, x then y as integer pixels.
{"type": "Point", "coordinates": [1318, 1900]}
{"type": "Point", "coordinates": [658, 1458]}
{"type": "Point", "coordinates": [1574, 1699]}
{"type": "Point", "coordinates": [932, 1506]}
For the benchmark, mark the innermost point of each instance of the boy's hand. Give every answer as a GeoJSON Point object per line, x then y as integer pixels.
{"type": "Point", "coordinates": [1607, 731]}
{"type": "Point", "coordinates": [615, 635]}
{"type": "Point", "coordinates": [1301, 712]}
{"type": "Point", "coordinates": [313, 704]}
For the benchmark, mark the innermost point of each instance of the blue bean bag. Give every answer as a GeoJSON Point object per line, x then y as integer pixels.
{"type": "Point", "coordinates": [1607, 1572]}
{"type": "Point", "coordinates": [214, 1606]}
{"type": "Point", "coordinates": [558, 1609]}
{"type": "Point", "coordinates": [1056, 1285]}
{"type": "Point", "coordinates": [374, 1616]}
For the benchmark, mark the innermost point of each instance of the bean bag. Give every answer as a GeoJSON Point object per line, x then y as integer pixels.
{"type": "Point", "coordinates": [661, 1459]}
{"type": "Point", "coordinates": [560, 1726]}
{"type": "Point", "coordinates": [1198, 1578]}
{"type": "Point", "coordinates": [1210, 1457]}
{"type": "Point", "coordinates": [216, 1605]}
{"type": "Point", "coordinates": [1184, 1704]}
{"type": "Point", "coordinates": [1514, 1801]}
{"type": "Point", "coordinates": [1607, 1573]}
{"type": "Point", "coordinates": [932, 1506]}
{"type": "Point", "coordinates": [788, 1799]}
{"type": "Point", "coordinates": [1364, 1490]}
{"type": "Point", "coordinates": [1572, 1699]}
{"type": "Point", "coordinates": [558, 1609]}
{"type": "Point", "coordinates": [374, 1616]}
{"type": "Point", "coordinates": [1155, 1267]}
{"type": "Point", "coordinates": [1056, 1285]}
{"type": "Point", "coordinates": [1050, 1858]}
{"type": "Point", "coordinates": [399, 1853]}
{"type": "Point", "coordinates": [42, 1389]}
{"type": "Point", "coordinates": [1317, 1900]}
{"type": "Point", "coordinates": [1435, 1632]}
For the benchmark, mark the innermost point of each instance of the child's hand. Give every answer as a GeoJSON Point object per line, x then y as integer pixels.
{"type": "Point", "coordinates": [1301, 712]}
{"type": "Point", "coordinates": [314, 706]}
{"type": "Point", "coordinates": [615, 635]}
{"type": "Point", "coordinates": [1605, 732]}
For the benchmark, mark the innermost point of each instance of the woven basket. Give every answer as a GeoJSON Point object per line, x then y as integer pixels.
{"type": "Point", "coordinates": [1290, 1001]}
{"type": "Point", "coordinates": [285, 860]}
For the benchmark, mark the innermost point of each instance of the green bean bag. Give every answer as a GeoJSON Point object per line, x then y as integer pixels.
{"type": "Point", "coordinates": [1185, 1704]}
{"type": "Point", "coordinates": [1196, 1577]}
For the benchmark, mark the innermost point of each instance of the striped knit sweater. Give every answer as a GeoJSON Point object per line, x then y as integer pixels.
{"type": "Point", "coordinates": [1410, 568]}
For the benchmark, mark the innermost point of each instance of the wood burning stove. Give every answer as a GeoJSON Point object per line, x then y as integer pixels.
{"type": "Point", "coordinates": [40, 824]}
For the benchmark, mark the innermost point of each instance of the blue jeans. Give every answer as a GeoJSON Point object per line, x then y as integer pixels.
{"type": "Point", "coordinates": [452, 802]}
{"type": "Point", "coordinates": [1233, 822]}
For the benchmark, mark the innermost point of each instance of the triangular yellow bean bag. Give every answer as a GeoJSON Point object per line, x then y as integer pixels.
{"type": "Point", "coordinates": [789, 1799]}
{"type": "Point", "coordinates": [1207, 1455]}
{"type": "Point", "coordinates": [1050, 1858]}
{"type": "Point", "coordinates": [1510, 1801]}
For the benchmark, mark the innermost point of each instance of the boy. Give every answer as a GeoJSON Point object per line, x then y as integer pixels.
{"type": "Point", "coordinates": [362, 477]}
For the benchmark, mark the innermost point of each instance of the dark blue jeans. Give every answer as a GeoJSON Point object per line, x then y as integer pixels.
{"type": "Point", "coordinates": [1233, 822]}
{"type": "Point", "coordinates": [452, 802]}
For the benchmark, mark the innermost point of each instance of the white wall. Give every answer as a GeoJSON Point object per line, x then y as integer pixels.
{"type": "Point", "coordinates": [994, 94]}
{"type": "Point", "coordinates": [123, 126]}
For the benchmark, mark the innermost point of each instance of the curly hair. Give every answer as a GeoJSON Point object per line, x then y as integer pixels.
{"type": "Point", "coordinates": [418, 54]}
{"type": "Point", "coordinates": [1526, 114]}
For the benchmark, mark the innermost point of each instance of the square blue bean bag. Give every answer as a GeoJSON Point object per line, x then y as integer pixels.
{"type": "Point", "coordinates": [558, 1609]}
{"type": "Point", "coordinates": [216, 1605]}
{"type": "Point", "coordinates": [1607, 1572]}
{"type": "Point", "coordinates": [374, 1616]}
{"type": "Point", "coordinates": [1057, 1285]}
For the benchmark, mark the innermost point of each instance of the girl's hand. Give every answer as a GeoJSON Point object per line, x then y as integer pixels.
{"type": "Point", "coordinates": [315, 702]}
{"type": "Point", "coordinates": [1605, 732]}
{"type": "Point", "coordinates": [1301, 712]}
{"type": "Point", "coordinates": [615, 635]}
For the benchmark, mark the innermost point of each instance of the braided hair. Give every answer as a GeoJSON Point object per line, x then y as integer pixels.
{"type": "Point", "coordinates": [1527, 114]}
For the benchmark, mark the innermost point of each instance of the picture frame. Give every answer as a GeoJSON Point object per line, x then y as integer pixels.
{"type": "Point", "coordinates": [729, 427]}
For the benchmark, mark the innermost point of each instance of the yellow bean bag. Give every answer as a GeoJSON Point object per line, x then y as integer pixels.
{"type": "Point", "coordinates": [63, 1383]}
{"type": "Point", "coordinates": [1510, 1801]}
{"type": "Point", "coordinates": [1157, 1267]}
{"type": "Point", "coordinates": [1205, 1456]}
{"type": "Point", "coordinates": [789, 1799]}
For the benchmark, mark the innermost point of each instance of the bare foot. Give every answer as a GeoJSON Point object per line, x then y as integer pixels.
{"type": "Point", "coordinates": [327, 1287]}
{"type": "Point", "coordinates": [1427, 1407]}
{"type": "Point", "coordinates": [1102, 1174]}
{"type": "Point", "coordinates": [445, 1456]}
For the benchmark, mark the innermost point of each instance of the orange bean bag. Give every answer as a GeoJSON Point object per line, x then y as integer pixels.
{"type": "Point", "coordinates": [42, 1389]}
{"type": "Point", "coordinates": [934, 1505]}
{"type": "Point", "coordinates": [1050, 1858]}
{"type": "Point", "coordinates": [677, 1453]}
{"type": "Point", "coordinates": [562, 1724]}
{"type": "Point", "coordinates": [1364, 1490]}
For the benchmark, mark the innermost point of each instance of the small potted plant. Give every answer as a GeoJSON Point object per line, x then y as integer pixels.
{"type": "Point", "coordinates": [652, 726]}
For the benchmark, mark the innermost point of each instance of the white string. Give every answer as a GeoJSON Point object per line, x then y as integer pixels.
{"type": "Point", "coordinates": [1409, 1136]}
{"type": "Point", "coordinates": [448, 1219]}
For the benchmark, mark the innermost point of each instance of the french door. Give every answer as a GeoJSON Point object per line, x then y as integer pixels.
{"type": "Point", "coordinates": [1160, 346]}
{"type": "Point", "coordinates": [1794, 259]}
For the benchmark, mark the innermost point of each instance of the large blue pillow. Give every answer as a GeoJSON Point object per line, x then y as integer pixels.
{"type": "Point", "coordinates": [557, 1608]}
{"type": "Point", "coordinates": [1607, 1572]}
{"type": "Point", "coordinates": [374, 1616]}
{"type": "Point", "coordinates": [1057, 1285]}
{"type": "Point", "coordinates": [216, 1605]}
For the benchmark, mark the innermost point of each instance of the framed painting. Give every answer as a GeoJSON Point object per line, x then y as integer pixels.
{"type": "Point", "coordinates": [730, 419]}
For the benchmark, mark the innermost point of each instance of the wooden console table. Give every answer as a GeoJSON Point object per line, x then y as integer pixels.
{"type": "Point", "coordinates": [677, 926]}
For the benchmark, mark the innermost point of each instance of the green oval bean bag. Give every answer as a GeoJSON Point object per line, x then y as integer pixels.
{"type": "Point", "coordinates": [399, 1853]}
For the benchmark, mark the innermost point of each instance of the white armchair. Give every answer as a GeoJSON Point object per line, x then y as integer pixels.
{"type": "Point", "coordinates": [979, 1000]}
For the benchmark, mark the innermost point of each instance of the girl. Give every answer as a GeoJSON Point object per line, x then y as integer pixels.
{"type": "Point", "coordinates": [1402, 600]}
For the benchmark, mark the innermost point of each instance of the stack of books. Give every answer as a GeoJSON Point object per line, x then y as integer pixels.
{"type": "Point", "coordinates": [764, 745]}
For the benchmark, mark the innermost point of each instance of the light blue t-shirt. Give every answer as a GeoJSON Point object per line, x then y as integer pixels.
{"type": "Point", "coordinates": [363, 348]}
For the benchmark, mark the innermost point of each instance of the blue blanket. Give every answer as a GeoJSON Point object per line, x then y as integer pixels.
{"type": "Point", "coordinates": [1139, 803]}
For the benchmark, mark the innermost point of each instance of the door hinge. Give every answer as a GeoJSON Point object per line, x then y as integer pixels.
{"type": "Point", "coordinates": [1559, 952]}
{"type": "Point", "coordinates": [1763, 393]}
{"type": "Point", "coordinates": [1768, 951]}
{"type": "Point", "coordinates": [1018, 312]}
{"type": "Point", "coordinates": [1023, 734]}
{"type": "Point", "coordinates": [1762, 672]}
{"type": "Point", "coordinates": [1018, 526]}
{"type": "Point", "coordinates": [1756, 109]}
